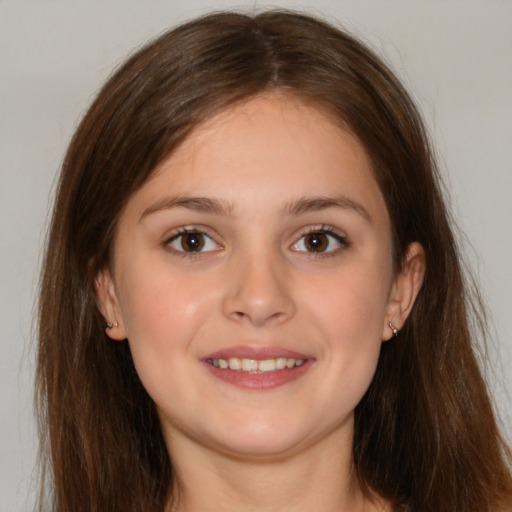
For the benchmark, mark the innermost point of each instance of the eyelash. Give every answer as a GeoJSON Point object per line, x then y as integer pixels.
{"type": "Point", "coordinates": [180, 232]}
{"type": "Point", "coordinates": [328, 231]}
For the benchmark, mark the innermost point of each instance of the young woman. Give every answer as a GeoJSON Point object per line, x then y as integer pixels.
{"type": "Point", "coordinates": [252, 297]}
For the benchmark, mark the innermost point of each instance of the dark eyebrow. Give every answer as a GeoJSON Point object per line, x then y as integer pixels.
{"type": "Point", "coordinates": [198, 204]}
{"type": "Point", "coordinates": [313, 204]}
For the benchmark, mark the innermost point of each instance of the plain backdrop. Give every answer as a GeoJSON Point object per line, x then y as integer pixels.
{"type": "Point", "coordinates": [454, 56]}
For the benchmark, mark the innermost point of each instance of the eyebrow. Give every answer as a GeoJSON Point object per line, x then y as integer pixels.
{"type": "Point", "coordinates": [197, 204]}
{"type": "Point", "coordinates": [220, 207]}
{"type": "Point", "coordinates": [314, 204]}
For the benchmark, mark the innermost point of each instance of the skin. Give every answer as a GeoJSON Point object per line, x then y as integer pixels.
{"type": "Point", "coordinates": [257, 283]}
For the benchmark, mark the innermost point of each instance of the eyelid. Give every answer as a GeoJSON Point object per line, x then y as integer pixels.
{"type": "Point", "coordinates": [328, 230]}
{"type": "Point", "coordinates": [183, 230]}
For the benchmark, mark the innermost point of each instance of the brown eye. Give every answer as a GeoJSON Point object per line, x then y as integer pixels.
{"type": "Point", "coordinates": [316, 242]}
{"type": "Point", "coordinates": [191, 242]}
{"type": "Point", "coordinates": [320, 242]}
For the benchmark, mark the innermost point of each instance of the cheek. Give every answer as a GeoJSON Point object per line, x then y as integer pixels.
{"type": "Point", "coordinates": [162, 315]}
{"type": "Point", "coordinates": [352, 305]}
{"type": "Point", "coordinates": [349, 316]}
{"type": "Point", "coordinates": [155, 300]}
{"type": "Point", "coordinates": [162, 320]}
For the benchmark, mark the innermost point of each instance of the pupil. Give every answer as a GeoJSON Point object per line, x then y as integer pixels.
{"type": "Point", "coordinates": [316, 242]}
{"type": "Point", "coordinates": [192, 242]}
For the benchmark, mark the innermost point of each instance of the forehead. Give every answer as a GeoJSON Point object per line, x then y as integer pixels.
{"type": "Point", "coordinates": [270, 124]}
{"type": "Point", "coordinates": [271, 147]}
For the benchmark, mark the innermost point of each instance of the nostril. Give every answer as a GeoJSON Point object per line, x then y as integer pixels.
{"type": "Point", "coordinates": [258, 297]}
{"type": "Point", "coordinates": [258, 319]}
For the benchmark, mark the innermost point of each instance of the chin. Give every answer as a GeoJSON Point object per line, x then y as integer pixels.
{"type": "Point", "coordinates": [271, 441]}
{"type": "Point", "coordinates": [260, 447]}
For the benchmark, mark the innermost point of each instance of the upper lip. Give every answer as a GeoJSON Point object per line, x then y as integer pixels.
{"type": "Point", "coordinates": [258, 353]}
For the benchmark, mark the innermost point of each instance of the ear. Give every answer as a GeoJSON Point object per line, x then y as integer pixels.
{"type": "Point", "coordinates": [406, 286]}
{"type": "Point", "coordinates": [109, 305]}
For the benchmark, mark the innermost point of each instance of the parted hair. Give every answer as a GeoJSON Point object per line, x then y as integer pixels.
{"type": "Point", "coordinates": [425, 436]}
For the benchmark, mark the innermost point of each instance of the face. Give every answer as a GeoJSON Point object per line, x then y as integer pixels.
{"type": "Point", "coordinates": [252, 275]}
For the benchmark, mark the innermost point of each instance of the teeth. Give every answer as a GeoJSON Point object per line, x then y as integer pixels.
{"type": "Point", "coordinates": [267, 365]}
{"type": "Point", "coordinates": [249, 365]}
{"type": "Point", "coordinates": [235, 363]}
{"type": "Point", "coordinates": [280, 363]}
{"type": "Point", "coordinates": [256, 366]}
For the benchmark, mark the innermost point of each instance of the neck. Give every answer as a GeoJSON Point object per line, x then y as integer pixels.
{"type": "Point", "coordinates": [319, 478]}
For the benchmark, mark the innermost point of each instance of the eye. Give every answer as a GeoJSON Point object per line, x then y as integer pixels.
{"type": "Point", "coordinates": [321, 241]}
{"type": "Point", "coordinates": [192, 241]}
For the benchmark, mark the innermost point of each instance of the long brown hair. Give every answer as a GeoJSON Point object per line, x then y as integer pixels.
{"type": "Point", "coordinates": [425, 434]}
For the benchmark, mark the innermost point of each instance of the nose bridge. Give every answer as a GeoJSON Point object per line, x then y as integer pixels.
{"type": "Point", "coordinates": [259, 287]}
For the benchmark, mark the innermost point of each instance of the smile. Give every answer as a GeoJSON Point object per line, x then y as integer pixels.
{"type": "Point", "coordinates": [256, 366]}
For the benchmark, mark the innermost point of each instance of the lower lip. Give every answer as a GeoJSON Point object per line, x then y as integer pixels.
{"type": "Point", "coordinates": [260, 381]}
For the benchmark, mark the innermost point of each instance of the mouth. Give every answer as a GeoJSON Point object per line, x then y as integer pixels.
{"type": "Point", "coordinates": [256, 366]}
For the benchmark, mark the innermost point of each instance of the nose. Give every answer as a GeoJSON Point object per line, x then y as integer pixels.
{"type": "Point", "coordinates": [259, 292]}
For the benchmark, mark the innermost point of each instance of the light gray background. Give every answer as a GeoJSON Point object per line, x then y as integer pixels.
{"type": "Point", "coordinates": [453, 55]}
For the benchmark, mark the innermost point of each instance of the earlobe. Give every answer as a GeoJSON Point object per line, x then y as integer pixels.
{"type": "Point", "coordinates": [405, 289]}
{"type": "Point", "coordinates": [108, 305]}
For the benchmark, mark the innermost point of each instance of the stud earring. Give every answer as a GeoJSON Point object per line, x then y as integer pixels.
{"type": "Point", "coordinates": [110, 325]}
{"type": "Point", "coordinates": [396, 331]}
